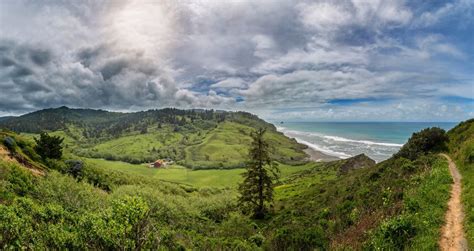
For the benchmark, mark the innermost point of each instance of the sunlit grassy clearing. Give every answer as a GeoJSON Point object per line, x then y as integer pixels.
{"type": "Point", "coordinates": [198, 178]}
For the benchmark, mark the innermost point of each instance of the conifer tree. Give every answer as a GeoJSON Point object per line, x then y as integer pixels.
{"type": "Point", "coordinates": [257, 188]}
{"type": "Point", "coordinates": [49, 146]}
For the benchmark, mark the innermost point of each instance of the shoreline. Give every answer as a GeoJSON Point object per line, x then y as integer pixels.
{"type": "Point", "coordinates": [318, 156]}
{"type": "Point", "coordinates": [313, 154]}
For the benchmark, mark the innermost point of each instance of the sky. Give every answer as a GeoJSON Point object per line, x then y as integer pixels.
{"type": "Point", "coordinates": [344, 60]}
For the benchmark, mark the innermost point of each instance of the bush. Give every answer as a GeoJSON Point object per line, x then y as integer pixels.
{"type": "Point", "coordinates": [123, 226]}
{"type": "Point", "coordinates": [428, 140]}
{"type": "Point", "coordinates": [298, 238]}
{"type": "Point", "coordinates": [257, 239]}
{"type": "Point", "coordinates": [394, 234]}
{"type": "Point", "coordinates": [75, 168]}
{"type": "Point", "coordinates": [15, 225]}
{"type": "Point", "coordinates": [19, 180]}
{"type": "Point", "coordinates": [10, 143]}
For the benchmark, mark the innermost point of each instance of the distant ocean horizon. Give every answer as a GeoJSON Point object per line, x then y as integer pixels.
{"type": "Point", "coordinates": [378, 140]}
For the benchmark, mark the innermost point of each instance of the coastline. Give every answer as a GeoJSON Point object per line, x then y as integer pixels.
{"type": "Point", "coordinates": [318, 156]}
{"type": "Point", "coordinates": [313, 154]}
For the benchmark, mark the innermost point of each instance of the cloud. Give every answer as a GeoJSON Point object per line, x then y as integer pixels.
{"type": "Point", "coordinates": [259, 56]}
{"type": "Point", "coordinates": [229, 83]}
{"type": "Point", "coordinates": [461, 8]}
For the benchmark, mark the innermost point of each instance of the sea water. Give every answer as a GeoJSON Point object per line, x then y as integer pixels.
{"type": "Point", "coordinates": [378, 140]}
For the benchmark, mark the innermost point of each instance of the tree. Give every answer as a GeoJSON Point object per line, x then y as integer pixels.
{"type": "Point", "coordinates": [428, 140]}
{"type": "Point", "coordinates": [49, 146]}
{"type": "Point", "coordinates": [257, 187]}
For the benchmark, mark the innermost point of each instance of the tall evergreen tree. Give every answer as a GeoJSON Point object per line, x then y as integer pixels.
{"type": "Point", "coordinates": [257, 188]}
{"type": "Point", "coordinates": [49, 146]}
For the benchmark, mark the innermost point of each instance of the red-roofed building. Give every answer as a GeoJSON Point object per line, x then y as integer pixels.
{"type": "Point", "coordinates": [158, 164]}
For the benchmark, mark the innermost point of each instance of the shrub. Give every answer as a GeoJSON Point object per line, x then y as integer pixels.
{"type": "Point", "coordinates": [15, 225]}
{"type": "Point", "coordinates": [123, 226]}
{"type": "Point", "coordinates": [298, 238]}
{"type": "Point", "coordinates": [19, 180]}
{"type": "Point", "coordinates": [10, 143]}
{"type": "Point", "coordinates": [258, 239]}
{"type": "Point", "coordinates": [394, 234]}
{"type": "Point", "coordinates": [75, 168]}
{"type": "Point", "coordinates": [428, 140]}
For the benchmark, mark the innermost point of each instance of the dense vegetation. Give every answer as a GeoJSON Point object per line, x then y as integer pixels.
{"type": "Point", "coordinates": [397, 204]}
{"type": "Point", "coordinates": [84, 203]}
{"type": "Point", "coordinates": [461, 147]}
{"type": "Point", "coordinates": [427, 140]}
{"type": "Point", "coordinates": [198, 139]}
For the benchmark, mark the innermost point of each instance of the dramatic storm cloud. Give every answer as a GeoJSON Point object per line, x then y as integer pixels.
{"type": "Point", "coordinates": [285, 60]}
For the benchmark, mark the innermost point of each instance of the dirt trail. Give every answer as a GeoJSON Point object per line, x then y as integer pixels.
{"type": "Point", "coordinates": [452, 233]}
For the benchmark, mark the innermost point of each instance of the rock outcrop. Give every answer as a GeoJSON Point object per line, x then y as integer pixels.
{"type": "Point", "coordinates": [356, 162]}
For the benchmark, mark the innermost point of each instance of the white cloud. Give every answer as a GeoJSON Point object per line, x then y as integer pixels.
{"type": "Point", "coordinates": [460, 8]}
{"type": "Point", "coordinates": [272, 54]}
{"type": "Point", "coordinates": [324, 16]}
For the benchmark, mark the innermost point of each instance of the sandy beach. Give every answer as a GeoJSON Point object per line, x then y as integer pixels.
{"type": "Point", "coordinates": [319, 156]}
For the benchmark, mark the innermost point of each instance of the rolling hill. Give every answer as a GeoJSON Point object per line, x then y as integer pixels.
{"type": "Point", "coordinates": [352, 204]}
{"type": "Point", "coordinates": [198, 139]}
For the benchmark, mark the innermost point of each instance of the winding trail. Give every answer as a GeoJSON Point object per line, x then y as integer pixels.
{"type": "Point", "coordinates": [452, 233]}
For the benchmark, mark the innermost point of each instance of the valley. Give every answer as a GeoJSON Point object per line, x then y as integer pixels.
{"type": "Point", "coordinates": [103, 194]}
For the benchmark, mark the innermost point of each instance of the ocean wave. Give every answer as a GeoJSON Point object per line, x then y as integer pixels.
{"type": "Point", "coordinates": [337, 138]}
{"type": "Point", "coordinates": [367, 142]}
{"type": "Point", "coordinates": [289, 131]}
{"type": "Point", "coordinates": [324, 150]}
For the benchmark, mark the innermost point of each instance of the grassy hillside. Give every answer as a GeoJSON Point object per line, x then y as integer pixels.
{"type": "Point", "coordinates": [461, 147]}
{"type": "Point", "coordinates": [342, 205]}
{"type": "Point", "coordinates": [393, 205]}
{"type": "Point", "coordinates": [227, 145]}
{"type": "Point", "coordinates": [112, 205]}
{"type": "Point", "coordinates": [196, 139]}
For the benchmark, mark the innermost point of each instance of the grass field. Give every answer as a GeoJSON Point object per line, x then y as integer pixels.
{"type": "Point", "coordinates": [136, 145]}
{"type": "Point", "coordinates": [227, 145]}
{"type": "Point", "coordinates": [198, 178]}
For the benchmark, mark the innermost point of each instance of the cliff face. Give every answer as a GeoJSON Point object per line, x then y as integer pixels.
{"type": "Point", "coordinates": [356, 162]}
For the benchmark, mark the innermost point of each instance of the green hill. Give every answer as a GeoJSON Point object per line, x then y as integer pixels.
{"type": "Point", "coordinates": [198, 139]}
{"type": "Point", "coordinates": [352, 204]}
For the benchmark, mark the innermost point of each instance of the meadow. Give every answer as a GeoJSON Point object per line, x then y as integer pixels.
{"type": "Point", "coordinates": [199, 178]}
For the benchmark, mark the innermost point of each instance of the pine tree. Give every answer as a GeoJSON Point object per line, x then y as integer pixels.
{"type": "Point", "coordinates": [49, 146]}
{"type": "Point", "coordinates": [257, 187]}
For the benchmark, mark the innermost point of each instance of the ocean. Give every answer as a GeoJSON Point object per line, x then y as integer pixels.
{"type": "Point", "coordinates": [378, 140]}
